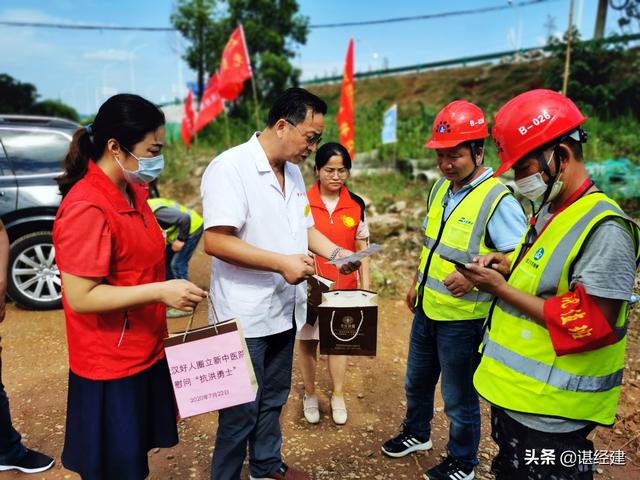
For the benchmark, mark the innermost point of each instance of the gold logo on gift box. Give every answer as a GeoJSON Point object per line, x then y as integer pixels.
{"type": "Point", "coordinates": [347, 326]}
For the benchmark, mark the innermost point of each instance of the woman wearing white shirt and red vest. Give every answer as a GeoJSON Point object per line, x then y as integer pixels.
{"type": "Point", "coordinates": [339, 214]}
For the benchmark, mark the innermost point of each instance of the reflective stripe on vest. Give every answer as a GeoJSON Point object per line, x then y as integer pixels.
{"type": "Point", "coordinates": [437, 286]}
{"type": "Point", "coordinates": [172, 232]}
{"type": "Point", "coordinates": [460, 237]}
{"type": "Point", "coordinates": [519, 369]}
{"type": "Point", "coordinates": [554, 377]}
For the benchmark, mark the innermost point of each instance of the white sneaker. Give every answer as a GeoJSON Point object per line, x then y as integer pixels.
{"type": "Point", "coordinates": [338, 410]}
{"type": "Point", "coordinates": [310, 408]}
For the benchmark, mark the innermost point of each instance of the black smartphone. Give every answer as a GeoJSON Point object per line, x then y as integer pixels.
{"type": "Point", "coordinates": [455, 262]}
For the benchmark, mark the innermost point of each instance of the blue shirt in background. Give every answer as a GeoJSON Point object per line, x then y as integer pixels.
{"type": "Point", "coordinates": [506, 226]}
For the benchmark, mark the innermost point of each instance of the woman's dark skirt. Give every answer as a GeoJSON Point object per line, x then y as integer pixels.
{"type": "Point", "coordinates": [112, 424]}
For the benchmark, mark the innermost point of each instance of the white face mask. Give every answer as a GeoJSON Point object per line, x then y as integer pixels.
{"type": "Point", "coordinates": [533, 186]}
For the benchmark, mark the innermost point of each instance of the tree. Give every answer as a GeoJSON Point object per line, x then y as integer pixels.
{"type": "Point", "coordinates": [629, 11]}
{"type": "Point", "coordinates": [603, 75]}
{"type": "Point", "coordinates": [272, 29]}
{"type": "Point", "coordinates": [18, 97]}
{"type": "Point", "coordinates": [55, 108]}
{"type": "Point", "coordinates": [15, 96]}
{"type": "Point", "coordinates": [198, 22]}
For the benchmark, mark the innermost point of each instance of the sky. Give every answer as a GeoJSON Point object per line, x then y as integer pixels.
{"type": "Point", "coordinates": [82, 68]}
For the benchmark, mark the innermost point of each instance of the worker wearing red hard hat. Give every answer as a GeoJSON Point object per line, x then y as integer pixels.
{"type": "Point", "coordinates": [553, 354]}
{"type": "Point", "coordinates": [469, 213]}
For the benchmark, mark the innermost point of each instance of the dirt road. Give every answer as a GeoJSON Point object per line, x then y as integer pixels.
{"type": "Point", "coordinates": [35, 376]}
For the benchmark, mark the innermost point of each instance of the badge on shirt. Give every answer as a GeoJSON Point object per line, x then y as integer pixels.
{"type": "Point", "coordinates": [307, 210]}
{"type": "Point", "coordinates": [348, 221]}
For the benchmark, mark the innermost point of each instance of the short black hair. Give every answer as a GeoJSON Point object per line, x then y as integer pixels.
{"type": "Point", "coordinates": [571, 143]}
{"type": "Point", "coordinates": [293, 104]}
{"type": "Point", "coordinates": [328, 150]}
{"type": "Point", "coordinates": [574, 146]}
{"type": "Point", "coordinates": [474, 147]}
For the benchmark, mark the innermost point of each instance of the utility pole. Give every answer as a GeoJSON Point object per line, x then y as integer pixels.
{"type": "Point", "coordinates": [550, 26]}
{"type": "Point", "coordinates": [567, 59]}
{"type": "Point", "coordinates": [601, 19]}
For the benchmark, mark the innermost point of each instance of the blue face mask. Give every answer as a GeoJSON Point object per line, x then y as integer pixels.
{"type": "Point", "coordinates": [148, 168]}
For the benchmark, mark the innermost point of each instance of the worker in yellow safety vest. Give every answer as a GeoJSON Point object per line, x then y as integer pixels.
{"type": "Point", "coordinates": [553, 353]}
{"type": "Point", "coordinates": [469, 213]}
{"type": "Point", "coordinates": [182, 227]}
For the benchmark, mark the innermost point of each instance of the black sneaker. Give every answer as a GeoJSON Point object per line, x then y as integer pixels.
{"type": "Point", "coordinates": [31, 462]}
{"type": "Point", "coordinates": [404, 444]}
{"type": "Point", "coordinates": [449, 469]}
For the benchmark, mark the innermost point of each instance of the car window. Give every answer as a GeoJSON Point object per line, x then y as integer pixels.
{"type": "Point", "coordinates": [32, 151]}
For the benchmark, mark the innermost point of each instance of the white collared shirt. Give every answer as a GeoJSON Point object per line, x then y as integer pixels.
{"type": "Point", "coordinates": [240, 189]}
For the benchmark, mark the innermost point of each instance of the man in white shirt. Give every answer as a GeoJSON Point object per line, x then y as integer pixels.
{"type": "Point", "coordinates": [258, 227]}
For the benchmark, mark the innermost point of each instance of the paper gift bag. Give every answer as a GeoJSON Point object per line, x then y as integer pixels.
{"type": "Point", "coordinates": [210, 368]}
{"type": "Point", "coordinates": [316, 286]}
{"type": "Point", "coordinates": [348, 323]}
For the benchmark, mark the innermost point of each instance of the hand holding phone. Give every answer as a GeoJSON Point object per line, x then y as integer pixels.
{"type": "Point", "coordinates": [457, 263]}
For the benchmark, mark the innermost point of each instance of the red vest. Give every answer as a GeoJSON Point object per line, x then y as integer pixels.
{"type": "Point", "coordinates": [340, 227]}
{"type": "Point", "coordinates": [104, 346]}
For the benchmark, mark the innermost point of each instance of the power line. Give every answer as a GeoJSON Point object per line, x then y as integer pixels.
{"type": "Point", "coordinates": [431, 15]}
{"type": "Point", "coordinates": [68, 26]}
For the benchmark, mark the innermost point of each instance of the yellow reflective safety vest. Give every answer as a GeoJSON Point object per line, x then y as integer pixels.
{"type": "Point", "coordinates": [172, 232]}
{"type": "Point", "coordinates": [461, 237]}
{"type": "Point", "coordinates": [519, 369]}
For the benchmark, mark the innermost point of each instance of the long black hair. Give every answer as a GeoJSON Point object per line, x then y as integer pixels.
{"type": "Point", "coordinates": [127, 118]}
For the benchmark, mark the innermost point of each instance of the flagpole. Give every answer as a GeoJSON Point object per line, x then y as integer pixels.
{"type": "Point", "coordinates": [253, 81]}
{"type": "Point", "coordinates": [255, 101]}
{"type": "Point", "coordinates": [226, 129]}
{"type": "Point", "coordinates": [567, 59]}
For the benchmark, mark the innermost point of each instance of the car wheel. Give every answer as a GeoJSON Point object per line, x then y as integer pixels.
{"type": "Point", "coordinates": [34, 278]}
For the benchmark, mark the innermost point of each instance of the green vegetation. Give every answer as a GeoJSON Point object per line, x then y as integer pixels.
{"type": "Point", "coordinates": [604, 83]}
{"type": "Point", "coordinates": [386, 189]}
{"type": "Point", "coordinates": [19, 97]}
{"type": "Point", "coordinates": [604, 76]}
{"type": "Point", "coordinates": [272, 30]}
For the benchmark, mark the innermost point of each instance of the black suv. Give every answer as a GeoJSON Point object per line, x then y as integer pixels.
{"type": "Point", "coordinates": [31, 154]}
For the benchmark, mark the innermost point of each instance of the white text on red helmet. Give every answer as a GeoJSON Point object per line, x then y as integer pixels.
{"type": "Point", "coordinates": [473, 123]}
{"type": "Point", "coordinates": [535, 121]}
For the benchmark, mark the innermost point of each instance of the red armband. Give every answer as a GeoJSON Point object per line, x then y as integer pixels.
{"type": "Point", "coordinates": [576, 324]}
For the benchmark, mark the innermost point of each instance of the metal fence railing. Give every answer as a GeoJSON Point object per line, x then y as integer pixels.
{"type": "Point", "coordinates": [457, 61]}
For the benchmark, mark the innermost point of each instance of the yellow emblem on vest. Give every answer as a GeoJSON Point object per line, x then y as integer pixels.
{"type": "Point", "coordinates": [307, 210]}
{"type": "Point", "coordinates": [348, 221]}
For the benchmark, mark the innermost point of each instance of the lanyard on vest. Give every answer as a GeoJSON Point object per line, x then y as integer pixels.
{"type": "Point", "coordinates": [443, 222]}
{"type": "Point", "coordinates": [532, 235]}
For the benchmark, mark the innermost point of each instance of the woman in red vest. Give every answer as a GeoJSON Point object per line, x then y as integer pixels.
{"type": "Point", "coordinates": [339, 214]}
{"type": "Point", "coordinates": [110, 252]}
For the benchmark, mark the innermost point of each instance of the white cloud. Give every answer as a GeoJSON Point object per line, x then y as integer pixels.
{"type": "Point", "coordinates": [28, 42]}
{"type": "Point", "coordinates": [110, 55]}
{"type": "Point", "coordinates": [31, 16]}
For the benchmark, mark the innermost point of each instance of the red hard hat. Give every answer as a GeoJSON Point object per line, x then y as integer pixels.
{"type": "Point", "coordinates": [531, 120]}
{"type": "Point", "coordinates": [458, 122]}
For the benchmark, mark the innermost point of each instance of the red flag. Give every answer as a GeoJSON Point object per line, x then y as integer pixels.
{"type": "Point", "coordinates": [188, 121]}
{"type": "Point", "coordinates": [235, 66]}
{"type": "Point", "coordinates": [211, 105]}
{"type": "Point", "coordinates": [345, 114]}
